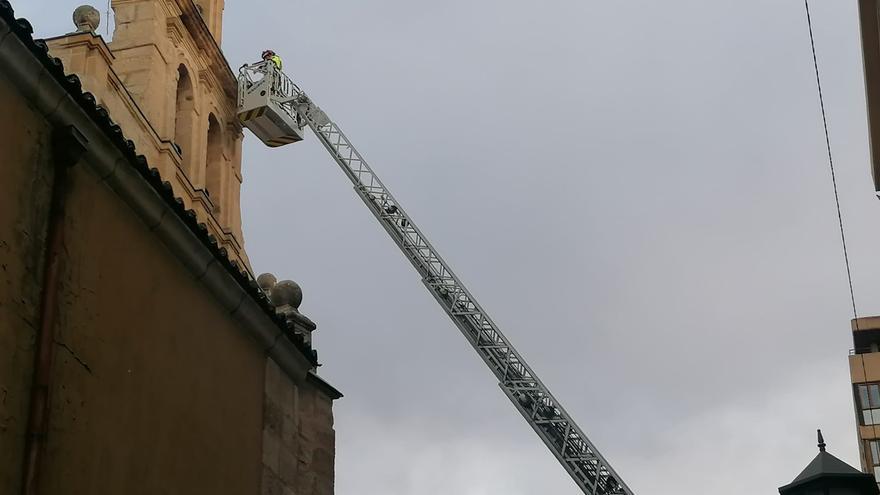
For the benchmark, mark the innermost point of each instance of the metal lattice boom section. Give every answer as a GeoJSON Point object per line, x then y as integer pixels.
{"type": "Point", "coordinates": [532, 399]}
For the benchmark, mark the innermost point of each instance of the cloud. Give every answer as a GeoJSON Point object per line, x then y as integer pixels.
{"type": "Point", "coordinates": [726, 449]}
{"type": "Point", "coordinates": [752, 446]}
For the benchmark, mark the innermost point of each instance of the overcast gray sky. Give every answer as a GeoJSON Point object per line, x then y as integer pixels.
{"type": "Point", "coordinates": [637, 192]}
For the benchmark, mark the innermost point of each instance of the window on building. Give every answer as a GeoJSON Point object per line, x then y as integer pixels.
{"type": "Point", "coordinates": [214, 163]}
{"type": "Point", "coordinates": [183, 117]}
{"type": "Point", "coordinates": [874, 448]}
{"type": "Point", "coordinates": [869, 403]}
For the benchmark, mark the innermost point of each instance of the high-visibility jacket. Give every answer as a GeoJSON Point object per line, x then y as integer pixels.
{"type": "Point", "coordinates": [277, 61]}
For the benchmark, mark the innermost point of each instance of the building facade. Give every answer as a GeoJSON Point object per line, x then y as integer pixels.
{"type": "Point", "coordinates": [864, 359]}
{"type": "Point", "coordinates": [864, 367]}
{"type": "Point", "coordinates": [138, 354]}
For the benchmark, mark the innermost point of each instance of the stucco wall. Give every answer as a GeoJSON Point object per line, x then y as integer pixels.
{"type": "Point", "coordinates": [154, 388]}
{"type": "Point", "coordinates": [25, 188]}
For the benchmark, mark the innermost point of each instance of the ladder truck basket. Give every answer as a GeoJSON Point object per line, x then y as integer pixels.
{"type": "Point", "coordinates": [265, 104]}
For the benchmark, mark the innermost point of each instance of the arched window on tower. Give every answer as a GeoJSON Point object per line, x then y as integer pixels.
{"type": "Point", "coordinates": [184, 118]}
{"type": "Point", "coordinates": [214, 162]}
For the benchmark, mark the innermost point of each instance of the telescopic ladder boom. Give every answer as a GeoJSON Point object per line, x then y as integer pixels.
{"type": "Point", "coordinates": [586, 466]}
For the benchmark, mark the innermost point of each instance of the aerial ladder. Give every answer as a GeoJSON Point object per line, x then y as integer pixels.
{"type": "Point", "coordinates": [277, 111]}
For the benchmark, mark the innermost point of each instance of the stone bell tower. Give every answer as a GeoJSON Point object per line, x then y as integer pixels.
{"type": "Point", "coordinates": [165, 81]}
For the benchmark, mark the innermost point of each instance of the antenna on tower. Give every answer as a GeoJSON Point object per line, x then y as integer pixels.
{"type": "Point", "coordinates": [107, 17]}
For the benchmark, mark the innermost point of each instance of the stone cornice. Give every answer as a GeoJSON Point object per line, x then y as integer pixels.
{"type": "Point", "coordinates": [174, 32]}
{"type": "Point", "coordinates": [92, 40]}
{"type": "Point", "coordinates": [206, 78]}
{"type": "Point", "coordinates": [324, 386]}
{"type": "Point", "coordinates": [235, 129]}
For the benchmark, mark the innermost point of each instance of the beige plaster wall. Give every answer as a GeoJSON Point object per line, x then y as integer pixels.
{"type": "Point", "coordinates": [154, 388]}
{"type": "Point", "coordinates": [25, 189]}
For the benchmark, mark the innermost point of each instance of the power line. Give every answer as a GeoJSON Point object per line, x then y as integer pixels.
{"type": "Point", "coordinates": [852, 294]}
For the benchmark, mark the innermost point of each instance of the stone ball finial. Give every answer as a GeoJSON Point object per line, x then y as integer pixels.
{"type": "Point", "coordinates": [288, 292]}
{"type": "Point", "coordinates": [266, 281]}
{"type": "Point", "coordinates": [86, 18]}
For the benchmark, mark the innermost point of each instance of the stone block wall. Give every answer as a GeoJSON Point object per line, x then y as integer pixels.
{"type": "Point", "coordinates": [298, 437]}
